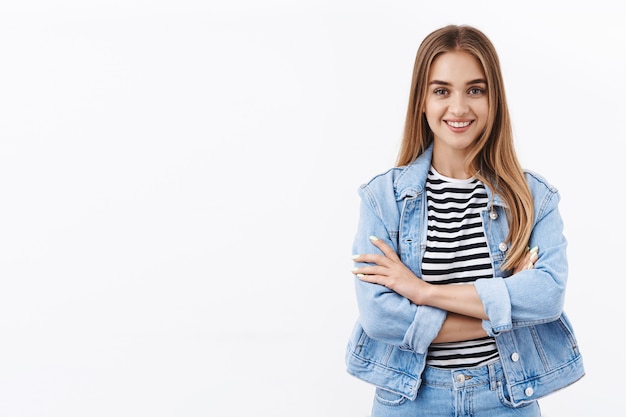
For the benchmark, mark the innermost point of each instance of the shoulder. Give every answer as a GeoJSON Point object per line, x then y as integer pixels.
{"type": "Point", "coordinates": [403, 180]}
{"type": "Point", "coordinates": [381, 187]}
{"type": "Point", "coordinates": [383, 179]}
{"type": "Point", "coordinates": [538, 182]}
{"type": "Point", "coordinates": [543, 191]}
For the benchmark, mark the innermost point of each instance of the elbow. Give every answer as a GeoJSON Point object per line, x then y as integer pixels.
{"type": "Point", "coordinates": [372, 329]}
{"type": "Point", "coordinates": [553, 300]}
{"type": "Point", "coordinates": [373, 321]}
{"type": "Point", "coordinates": [555, 305]}
{"type": "Point", "coordinates": [536, 310]}
{"type": "Point", "coordinates": [388, 325]}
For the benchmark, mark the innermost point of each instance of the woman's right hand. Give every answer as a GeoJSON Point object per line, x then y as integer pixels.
{"type": "Point", "coordinates": [528, 261]}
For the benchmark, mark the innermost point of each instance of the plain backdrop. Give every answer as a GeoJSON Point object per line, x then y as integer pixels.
{"type": "Point", "coordinates": [178, 193]}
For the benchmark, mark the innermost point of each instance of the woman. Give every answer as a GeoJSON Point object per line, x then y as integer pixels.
{"type": "Point", "coordinates": [458, 316]}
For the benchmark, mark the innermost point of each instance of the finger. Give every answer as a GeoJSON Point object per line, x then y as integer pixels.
{"type": "Point", "coordinates": [533, 255]}
{"type": "Point", "coordinates": [528, 261]}
{"type": "Point", "coordinates": [371, 258]}
{"type": "Point", "coordinates": [531, 258]}
{"type": "Point", "coordinates": [385, 248]}
{"type": "Point", "coordinates": [373, 279]}
{"type": "Point", "coordinates": [370, 270]}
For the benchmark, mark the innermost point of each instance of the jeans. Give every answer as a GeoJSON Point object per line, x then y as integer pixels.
{"type": "Point", "coordinates": [475, 392]}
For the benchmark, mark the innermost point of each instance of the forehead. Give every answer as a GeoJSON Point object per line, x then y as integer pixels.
{"type": "Point", "coordinates": [456, 67]}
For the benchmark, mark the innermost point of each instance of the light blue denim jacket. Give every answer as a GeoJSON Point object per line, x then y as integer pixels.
{"type": "Point", "coordinates": [390, 340]}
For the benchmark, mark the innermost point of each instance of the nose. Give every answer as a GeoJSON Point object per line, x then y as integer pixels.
{"type": "Point", "coordinates": [458, 105]}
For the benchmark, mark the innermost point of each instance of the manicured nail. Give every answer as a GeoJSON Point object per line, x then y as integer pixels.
{"type": "Point", "coordinates": [530, 265]}
{"type": "Point", "coordinates": [535, 249]}
{"type": "Point", "coordinates": [374, 238]}
{"type": "Point", "coordinates": [355, 256]}
{"type": "Point", "coordinates": [360, 275]}
{"type": "Point", "coordinates": [533, 256]}
{"type": "Point", "coordinates": [354, 270]}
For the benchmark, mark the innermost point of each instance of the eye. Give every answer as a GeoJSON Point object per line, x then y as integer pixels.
{"type": "Point", "coordinates": [440, 92]}
{"type": "Point", "coordinates": [476, 91]}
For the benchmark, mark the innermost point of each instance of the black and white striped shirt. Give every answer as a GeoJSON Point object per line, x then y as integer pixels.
{"type": "Point", "coordinates": [457, 253]}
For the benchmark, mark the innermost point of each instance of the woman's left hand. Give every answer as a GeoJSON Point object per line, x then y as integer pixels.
{"type": "Point", "coordinates": [388, 270]}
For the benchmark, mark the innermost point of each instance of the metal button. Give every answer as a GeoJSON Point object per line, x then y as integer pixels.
{"type": "Point", "coordinates": [528, 391]}
{"type": "Point", "coordinates": [515, 357]}
{"type": "Point", "coordinates": [502, 246]}
{"type": "Point", "coordinates": [493, 215]}
{"type": "Point", "coordinates": [460, 378]}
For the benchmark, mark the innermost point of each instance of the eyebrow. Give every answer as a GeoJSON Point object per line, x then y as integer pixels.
{"type": "Point", "coordinates": [476, 81]}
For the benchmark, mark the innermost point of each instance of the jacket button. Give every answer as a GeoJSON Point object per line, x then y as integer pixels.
{"type": "Point", "coordinates": [515, 357]}
{"type": "Point", "coordinates": [528, 391]}
{"type": "Point", "coordinates": [503, 247]}
{"type": "Point", "coordinates": [493, 215]}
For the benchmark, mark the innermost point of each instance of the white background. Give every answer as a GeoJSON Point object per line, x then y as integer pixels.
{"type": "Point", "coordinates": [178, 193]}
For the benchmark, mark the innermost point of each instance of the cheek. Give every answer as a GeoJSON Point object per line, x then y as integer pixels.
{"type": "Point", "coordinates": [428, 118]}
{"type": "Point", "coordinates": [430, 112]}
{"type": "Point", "coordinates": [435, 108]}
{"type": "Point", "coordinates": [483, 109]}
{"type": "Point", "coordinates": [433, 115]}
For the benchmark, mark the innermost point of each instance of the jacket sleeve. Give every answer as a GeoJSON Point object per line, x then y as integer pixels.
{"type": "Point", "coordinates": [537, 295]}
{"type": "Point", "coordinates": [384, 314]}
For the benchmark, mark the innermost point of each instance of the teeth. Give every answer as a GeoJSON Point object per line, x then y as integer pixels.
{"type": "Point", "coordinates": [459, 124]}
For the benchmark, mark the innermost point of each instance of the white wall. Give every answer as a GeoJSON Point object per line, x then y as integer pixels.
{"type": "Point", "coordinates": [178, 192]}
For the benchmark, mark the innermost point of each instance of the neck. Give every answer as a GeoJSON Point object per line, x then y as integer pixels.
{"type": "Point", "coordinates": [452, 171]}
{"type": "Point", "coordinates": [451, 164]}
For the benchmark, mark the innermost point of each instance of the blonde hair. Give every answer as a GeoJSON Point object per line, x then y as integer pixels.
{"type": "Point", "coordinates": [493, 153]}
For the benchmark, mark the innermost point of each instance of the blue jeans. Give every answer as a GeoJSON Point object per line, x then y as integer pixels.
{"type": "Point", "coordinates": [476, 392]}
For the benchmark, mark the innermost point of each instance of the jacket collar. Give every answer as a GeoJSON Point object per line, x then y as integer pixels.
{"type": "Point", "coordinates": [411, 181]}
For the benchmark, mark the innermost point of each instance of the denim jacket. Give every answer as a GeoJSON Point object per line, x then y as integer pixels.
{"type": "Point", "coordinates": [535, 340]}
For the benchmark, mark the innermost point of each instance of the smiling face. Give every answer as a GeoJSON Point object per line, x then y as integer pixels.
{"type": "Point", "coordinates": [456, 109]}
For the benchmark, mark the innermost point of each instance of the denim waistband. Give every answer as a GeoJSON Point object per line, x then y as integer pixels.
{"type": "Point", "coordinates": [461, 378]}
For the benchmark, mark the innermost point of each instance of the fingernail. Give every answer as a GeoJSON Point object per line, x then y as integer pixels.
{"type": "Point", "coordinates": [360, 275]}
{"type": "Point", "coordinates": [373, 238]}
{"type": "Point", "coordinates": [530, 265]}
{"type": "Point", "coordinates": [533, 256]}
{"type": "Point", "coordinates": [355, 256]}
{"type": "Point", "coordinates": [535, 249]}
{"type": "Point", "coordinates": [354, 270]}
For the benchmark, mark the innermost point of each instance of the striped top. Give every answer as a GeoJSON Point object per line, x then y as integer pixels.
{"type": "Point", "coordinates": [457, 253]}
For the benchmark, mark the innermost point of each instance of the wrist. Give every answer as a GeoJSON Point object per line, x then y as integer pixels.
{"type": "Point", "coordinates": [424, 293]}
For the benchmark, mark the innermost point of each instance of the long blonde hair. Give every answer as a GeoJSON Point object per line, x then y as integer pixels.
{"type": "Point", "coordinates": [494, 152]}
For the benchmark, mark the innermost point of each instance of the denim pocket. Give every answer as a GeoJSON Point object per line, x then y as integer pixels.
{"type": "Point", "coordinates": [505, 397]}
{"type": "Point", "coordinates": [389, 398]}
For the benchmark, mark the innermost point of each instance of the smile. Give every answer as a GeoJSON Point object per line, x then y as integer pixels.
{"type": "Point", "coordinates": [459, 124]}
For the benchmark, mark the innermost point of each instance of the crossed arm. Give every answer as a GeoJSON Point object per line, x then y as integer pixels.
{"type": "Point", "coordinates": [464, 307]}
